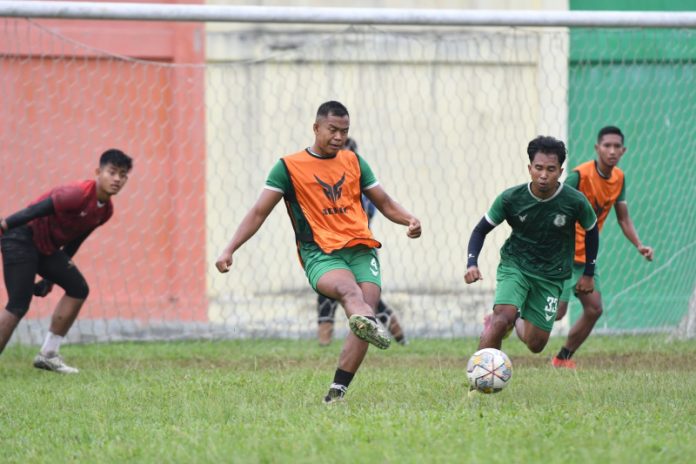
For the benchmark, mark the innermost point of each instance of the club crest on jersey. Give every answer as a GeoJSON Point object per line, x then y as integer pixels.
{"type": "Point", "coordinates": [332, 192]}
{"type": "Point", "coordinates": [559, 220]}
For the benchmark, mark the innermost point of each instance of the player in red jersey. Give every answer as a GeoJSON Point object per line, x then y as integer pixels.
{"type": "Point", "coordinates": [42, 239]}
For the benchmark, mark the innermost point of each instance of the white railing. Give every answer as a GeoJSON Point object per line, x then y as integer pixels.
{"type": "Point", "coordinates": [382, 16]}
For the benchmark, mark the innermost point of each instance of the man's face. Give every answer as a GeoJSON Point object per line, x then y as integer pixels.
{"type": "Point", "coordinates": [610, 149]}
{"type": "Point", "coordinates": [545, 171]}
{"type": "Point", "coordinates": [331, 133]}
{"type": "Point", "coordinates": [111, 179]}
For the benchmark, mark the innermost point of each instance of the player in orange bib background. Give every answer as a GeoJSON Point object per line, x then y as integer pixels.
{"type": "Point", "coordinates": [604, 185]}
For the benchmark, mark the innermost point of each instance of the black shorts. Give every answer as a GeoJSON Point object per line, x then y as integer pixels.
{"type": "Point", "coordinates": [22, 261]}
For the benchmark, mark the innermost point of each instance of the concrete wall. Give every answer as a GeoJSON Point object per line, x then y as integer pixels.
{"type": "Point", "coordinates": [443, 116]}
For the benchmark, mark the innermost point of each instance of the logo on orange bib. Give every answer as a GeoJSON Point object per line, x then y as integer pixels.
{"type": "Point", "coordinates": [332, 192]}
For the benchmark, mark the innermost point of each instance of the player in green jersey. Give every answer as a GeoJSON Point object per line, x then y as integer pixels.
{"type": "Point", "coordinates": [538, 256]}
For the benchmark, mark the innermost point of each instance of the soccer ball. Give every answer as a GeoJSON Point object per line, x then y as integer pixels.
{"type": "Point", "coordinates": [489, 370]}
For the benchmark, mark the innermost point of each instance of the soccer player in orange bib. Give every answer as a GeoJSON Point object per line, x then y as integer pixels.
{"type": "Point", "coordinates": [327, 307]}
{"type": "Point", "coordinates": [322, 186]}
{"type": "Point", "coordinates": [604, 185]}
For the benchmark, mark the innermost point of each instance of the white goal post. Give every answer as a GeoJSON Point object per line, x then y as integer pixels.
{"type": "Point", "coordinates": [368, 16]}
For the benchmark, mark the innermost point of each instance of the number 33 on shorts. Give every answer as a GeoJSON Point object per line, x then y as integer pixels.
{"type": "Point", "coordinates": [551, 308]}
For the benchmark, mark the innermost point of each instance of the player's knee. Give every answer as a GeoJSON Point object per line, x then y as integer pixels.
{"type": "Point", "coordinates": [349, 294]}
{"type": "Point", "coordinates": [79, 290]}
{"type": "Point", "coordinates": [594, 311]}
{"type": "Point", "coordinates": [536, 345]}
{"type": "Point", "coordinates": [18, 312]}
{"type": "Point", "coordinates": [500, 323]}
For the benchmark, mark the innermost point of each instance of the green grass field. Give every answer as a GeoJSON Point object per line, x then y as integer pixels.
{"type": "Point", "coordinates": [632, 400]}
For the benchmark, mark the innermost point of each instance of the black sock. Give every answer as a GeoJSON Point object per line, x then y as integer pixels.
{"type": "Point", "coordinates": [342, 377]}
{"type": "Point", "coordinates": [565, 353]}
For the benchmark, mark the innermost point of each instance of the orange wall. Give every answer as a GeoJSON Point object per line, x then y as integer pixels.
{"type": "Point", "coordinates": [61, 105]}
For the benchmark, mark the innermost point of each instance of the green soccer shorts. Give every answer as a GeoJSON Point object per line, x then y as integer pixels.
{"type": "Point", "coordinates": [535, 297]}
{"type": "Point", "coordinates": [569, 285]}
{"type": "Point", "coordinates": [360, 260]}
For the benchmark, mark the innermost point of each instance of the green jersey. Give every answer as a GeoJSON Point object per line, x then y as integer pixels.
{"type": "Point", "coordinates": [542, 242]}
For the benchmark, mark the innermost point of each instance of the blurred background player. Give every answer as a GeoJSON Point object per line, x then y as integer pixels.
{"type": "Point", "coordinates": [326, 307]}
{"type": "Point", "coordinates": [604, 185]}
{"type": "Point", "coordinates": [322, 187]}
{"type": "Point", "coordinates": [537, 257]}
{"type": "Point", "coordinates": [42, 239]}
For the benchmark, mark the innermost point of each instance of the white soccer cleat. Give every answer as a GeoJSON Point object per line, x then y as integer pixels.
{"type": "Point", "coordinates": [53, 362]}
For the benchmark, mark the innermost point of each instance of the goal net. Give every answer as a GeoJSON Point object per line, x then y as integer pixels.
{"type": "Point", "coordinates": [442, 115]}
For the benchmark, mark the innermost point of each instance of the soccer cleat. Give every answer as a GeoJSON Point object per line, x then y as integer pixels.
{"type": "Point", "coordinates": [370, 331]}
{"type": "Point", "coordinates": [336, 393]}
{"type": "Point", "coordinates": [53, 362]}
{"type": "Point", "coordinates": [563, 363]}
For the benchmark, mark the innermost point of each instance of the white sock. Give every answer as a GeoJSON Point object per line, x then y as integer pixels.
{"type": "Point", "coordinates": [51, 344]}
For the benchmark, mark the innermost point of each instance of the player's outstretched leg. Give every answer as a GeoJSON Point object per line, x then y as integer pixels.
{"type": "Point", "coordinates": [591, 312]}
{"type": "Point", "coordinates": [357, 301]}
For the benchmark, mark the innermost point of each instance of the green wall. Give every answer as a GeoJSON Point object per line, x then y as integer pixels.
{"type": "Point", "coordinates": [643, 81]}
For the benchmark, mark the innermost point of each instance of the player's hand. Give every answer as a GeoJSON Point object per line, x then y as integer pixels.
{"type": "Point", "coordinates": [472, 275]}
{"type": "Point", "coordinates": [585, 285]}
{"type": "Point", "coordinates": [646, 251]}
{"type": "Point", "coordinates": [43, 287]}
{"type": "Point", "coordinates": [414, 228]}
{"type": "Point", "coordinates": [224, 262]}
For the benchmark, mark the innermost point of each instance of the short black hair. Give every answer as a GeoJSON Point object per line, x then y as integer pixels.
{"type": "Point", "coordinates": [116, 158]}
{"type": "Point", "coordinates": [610, 130]}
{"type": "Point", "coordinates": [332, 107]}
{"type": "Point", "coordinates": [351, 145]}
{"type": "Point", "coordinates": [547, 145]}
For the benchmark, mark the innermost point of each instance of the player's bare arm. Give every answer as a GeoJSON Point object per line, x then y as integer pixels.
{"type": "Point", "coordinates": [393, 210]}
{"type": "Point", "coordinates": [478, 236]}
{"type": "Point", "coordinates": [248, 227]}
{"type": "Point", "coordinates": [629, 230]}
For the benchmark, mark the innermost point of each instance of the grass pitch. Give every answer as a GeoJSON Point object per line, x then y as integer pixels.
{"type": "Point", "coordinates": [632, 400]}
